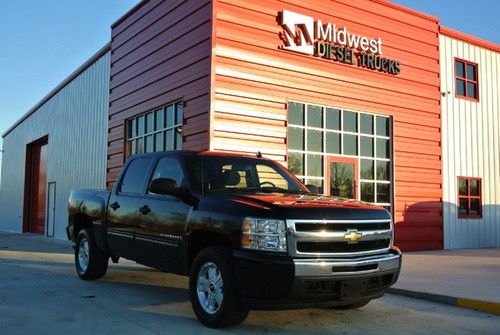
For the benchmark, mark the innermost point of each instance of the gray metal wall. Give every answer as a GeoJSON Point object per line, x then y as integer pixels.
{"type": "Point", "coordinates": [471, 145]}
{"type": "Point", "coordinates": [75, 120]}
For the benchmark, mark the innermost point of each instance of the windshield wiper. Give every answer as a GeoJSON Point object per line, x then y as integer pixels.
{"type": "Point", "coordinates": [233, 190]}
{"type": "Point", "coordinates": [257, 189]}
{"type": "Point", "coordinates": [281, 190]}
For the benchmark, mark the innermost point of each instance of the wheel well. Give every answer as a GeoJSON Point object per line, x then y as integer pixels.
{"type": "Point", "coordinates": [80, 222]}
{"type": "Point", "coordinates": [201, 239]}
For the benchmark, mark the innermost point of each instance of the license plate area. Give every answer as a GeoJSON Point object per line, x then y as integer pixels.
{"type": "Point", "coordinates": [353, 289]}
{"type": "Point", "coordinates": [355, 268]}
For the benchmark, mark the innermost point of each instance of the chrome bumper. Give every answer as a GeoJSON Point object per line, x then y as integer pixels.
{"type": "Point", "coordinates": [338, 268]}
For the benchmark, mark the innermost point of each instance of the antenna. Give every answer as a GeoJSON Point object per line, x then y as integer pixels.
{"type": "Point", "coordinates": [259, 154]}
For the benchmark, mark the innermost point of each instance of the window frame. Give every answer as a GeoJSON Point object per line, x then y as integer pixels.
{"type": "Point", "coordinates": [465, 79]}
{"type": "Point", "coordinates": [345, 160]}
{"type": "Point", "coordinates": [177, 127]}
{"type": "Point", "coordinates": [304, 152]}
{"type": "Point", "coordinates": [469, 197]}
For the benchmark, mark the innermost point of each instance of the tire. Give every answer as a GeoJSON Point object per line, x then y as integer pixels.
{"type": "Point", "coordinates": [91, 262]}
{"type": "Point", "coordinates": [212, 273]}
{"type": "Point", "coordinates": [352, 306]}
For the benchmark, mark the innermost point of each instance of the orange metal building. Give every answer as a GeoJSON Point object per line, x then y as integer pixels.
{"type": "Point", "coordinates": [364, 99]}
{"type": "Point", "coordinates": [252, 76]}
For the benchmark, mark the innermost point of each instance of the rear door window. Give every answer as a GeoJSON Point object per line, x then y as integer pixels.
{"type": "Point", "coordinates": [133, 180]}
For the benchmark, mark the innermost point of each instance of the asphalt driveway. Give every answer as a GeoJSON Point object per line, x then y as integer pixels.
{"type": "Point", "coordinates": [40, 293]}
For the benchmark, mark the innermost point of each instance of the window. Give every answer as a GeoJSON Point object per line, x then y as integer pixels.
{"type": "Point", "coordinates": [158, 130]}
{"type": "Point", "coordinates": [466, 80]}
{"type": "Point", "coordinates": [169, 167]}
{"type": "Point", "coordinates": [134, 177]}
{"type": "Point", "coordinates": [269, 176]}
{"type": "Point", "coordinates": [469, 198]}
{"type": "Point", "coordinates": [242, 174]}
{"type": "Point", "coordinates": [317, 133]}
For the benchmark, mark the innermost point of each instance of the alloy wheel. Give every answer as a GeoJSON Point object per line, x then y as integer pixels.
{"type": "Point", "coordinates": [209, 286]}
{"type": "Point", "coordinates": [83, 254]}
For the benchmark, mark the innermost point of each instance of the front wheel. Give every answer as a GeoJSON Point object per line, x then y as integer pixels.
{"type": "Point", "coordinates": [91, 263]}
{"type": "Point", "coordinates": [213, 294]}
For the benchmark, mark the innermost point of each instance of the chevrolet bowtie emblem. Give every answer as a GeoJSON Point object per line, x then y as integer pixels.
{"type": "Point", "coordinates": [352, 236]}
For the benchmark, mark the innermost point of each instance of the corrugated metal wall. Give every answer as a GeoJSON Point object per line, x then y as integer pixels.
{"type": "Point", "coordinates": [75, 120]}
{"type": "Point", "coordinates": [471, 145]}
{"type": "Point", "coordinates": [254, 80]}
{"type": "Point", "coordinates": [160, 53]}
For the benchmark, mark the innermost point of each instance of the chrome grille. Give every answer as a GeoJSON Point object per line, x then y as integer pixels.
{"type": "Point", "coordinates": [311, 226]}
{"type": "Point", "coordinates": [338, 238]}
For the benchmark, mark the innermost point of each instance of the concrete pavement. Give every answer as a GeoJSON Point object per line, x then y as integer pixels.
{"type": "Point", "coordinates": [41, 293]}
{"type": "Point", "coordinates": [465, 278]}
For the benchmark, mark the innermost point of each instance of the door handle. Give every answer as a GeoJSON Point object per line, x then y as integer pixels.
{"type": "Point", "coordinates": [144, 209]}
{"type": "Point", "coordinates": [115, 205]}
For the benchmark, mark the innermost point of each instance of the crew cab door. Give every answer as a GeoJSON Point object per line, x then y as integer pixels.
{"type": "Point", "coordinates": [161, 219]}
{"type": "Point", "coordinates": [123, 205]}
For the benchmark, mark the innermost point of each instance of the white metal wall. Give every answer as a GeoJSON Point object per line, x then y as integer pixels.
{"type": "Point", "coordinates": [471, 145]}
{"type": "Point", "coordinates": [75, 120]}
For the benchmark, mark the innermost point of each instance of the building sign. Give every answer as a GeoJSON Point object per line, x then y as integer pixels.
{"type": "Point", "coordinates": [303, 34]}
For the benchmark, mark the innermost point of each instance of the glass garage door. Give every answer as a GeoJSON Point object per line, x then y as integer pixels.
{"type": "Point", "coordinates": [345, 153]}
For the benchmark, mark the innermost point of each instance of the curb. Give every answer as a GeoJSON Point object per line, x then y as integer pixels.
{"type": "Point", "coordinates": [478, 305]}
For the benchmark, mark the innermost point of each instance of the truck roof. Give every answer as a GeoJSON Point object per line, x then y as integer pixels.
{"type": "Point", "coordinates": [198, 153]}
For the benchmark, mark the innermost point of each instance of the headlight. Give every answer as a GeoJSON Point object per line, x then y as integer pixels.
{"type": "Point", "coordinates": [263, 234]}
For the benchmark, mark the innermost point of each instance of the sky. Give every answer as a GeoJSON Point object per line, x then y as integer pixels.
{"type": "Point", "coordinates": [478, 18]}
{"type": "Point", "coordinates": [42, 42]}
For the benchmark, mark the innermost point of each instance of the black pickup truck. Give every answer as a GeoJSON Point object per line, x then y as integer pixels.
{"type": "Point", "coordinates": [246, 231]}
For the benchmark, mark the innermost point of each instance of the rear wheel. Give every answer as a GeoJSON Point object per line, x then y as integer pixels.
{"type": "Point", "coordinates": [213, 294]}
{"type": "Point", "coordinates": [91, 262]}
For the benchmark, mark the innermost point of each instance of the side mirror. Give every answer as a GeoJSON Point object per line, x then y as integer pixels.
{"type": "Point", "coordinates": [165, 186]}
{"type": "Point", "coordinates": [312, 188]}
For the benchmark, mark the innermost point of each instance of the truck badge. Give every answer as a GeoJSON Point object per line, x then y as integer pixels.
{"type": "Point", "coordinates": [352, 236]}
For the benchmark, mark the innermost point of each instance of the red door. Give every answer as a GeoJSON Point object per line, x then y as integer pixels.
{"type": "Point", "coordinates": [36, 187]}
{"type": "Point", "coordinates": [342, 177]}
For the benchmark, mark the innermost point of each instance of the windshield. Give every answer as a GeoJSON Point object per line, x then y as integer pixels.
{"type": "Point", "coordinates": [245, 174]}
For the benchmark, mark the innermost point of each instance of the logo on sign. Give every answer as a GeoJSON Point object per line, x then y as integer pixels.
{"type": "Point", "coordinates": [302, 34]}
{"type": "Point", "coordinates": [298, 33]}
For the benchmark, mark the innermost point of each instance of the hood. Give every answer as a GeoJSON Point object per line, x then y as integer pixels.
{"type": "Point", "coordinates": [309, 206]}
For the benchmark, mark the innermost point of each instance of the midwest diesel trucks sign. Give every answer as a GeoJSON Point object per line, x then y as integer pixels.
{"type": "Point", "coordinates": [303, 34]}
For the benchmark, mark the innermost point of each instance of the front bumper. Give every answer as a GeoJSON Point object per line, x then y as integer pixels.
{"type": "Point", "coordinates": [270, 282]}
{"type": "Point", "coordinates": [347, 267]}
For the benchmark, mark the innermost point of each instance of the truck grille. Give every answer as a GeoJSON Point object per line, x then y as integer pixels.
{"type": "Point", "coordinates": [336, 238]}
{"type": "Point", "coordinates": [342, 226]}
{"type": "Point", "coordinates": [324, 247]}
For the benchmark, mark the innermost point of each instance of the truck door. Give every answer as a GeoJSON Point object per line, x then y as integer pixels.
{"type": "Point", "coordinates": [123, 205]}
{"type": "Point", "coordinates": [161, 220]}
